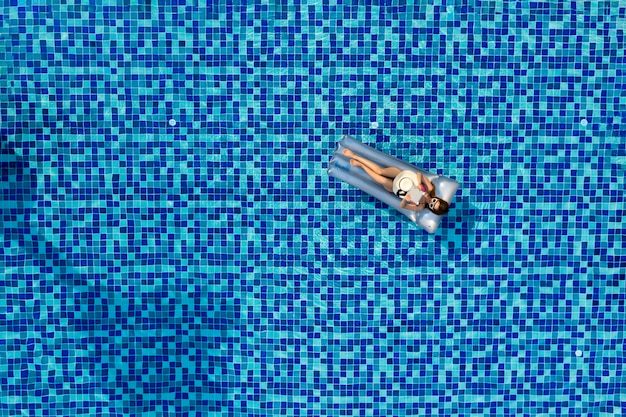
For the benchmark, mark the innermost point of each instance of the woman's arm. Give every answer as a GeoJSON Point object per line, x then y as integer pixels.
{"type": "Point", "coordinates": [423, 180]}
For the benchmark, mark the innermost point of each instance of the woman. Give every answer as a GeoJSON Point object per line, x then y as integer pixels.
{"type": "Point", "coordinates": [415, 190]}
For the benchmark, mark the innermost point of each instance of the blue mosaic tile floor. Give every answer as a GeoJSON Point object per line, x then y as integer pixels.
{"type": "Point", "coordinates": [172, 245]}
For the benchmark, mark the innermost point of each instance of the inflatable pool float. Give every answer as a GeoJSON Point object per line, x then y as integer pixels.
{"type": "Point", "coordinates": [340, 168]}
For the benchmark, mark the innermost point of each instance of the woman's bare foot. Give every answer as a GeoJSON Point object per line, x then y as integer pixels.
{"type": "Point", "coordinates": [355, 163]}
{"type": "Point", "coordinates": [348, 153]}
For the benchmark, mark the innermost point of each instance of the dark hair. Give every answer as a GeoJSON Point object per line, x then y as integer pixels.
{"type": "Point", "coordinates": [442, 209]}
{"type": "Point", "coordinates": [443, 205]}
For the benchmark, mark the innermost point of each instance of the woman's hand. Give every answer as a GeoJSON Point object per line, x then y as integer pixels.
{"type": "Point", "coordinates": [412, 207]}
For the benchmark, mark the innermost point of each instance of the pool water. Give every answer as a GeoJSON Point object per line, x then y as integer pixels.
{"type": "Point", "coordinates": [172, 244]}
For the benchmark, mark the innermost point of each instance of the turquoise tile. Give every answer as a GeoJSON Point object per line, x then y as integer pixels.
{"type": "Point", "coordinates": [172, 245]}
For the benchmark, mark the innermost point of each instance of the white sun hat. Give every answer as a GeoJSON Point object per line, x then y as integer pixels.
{"type": "Point", "coordinates": [404, 182]}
